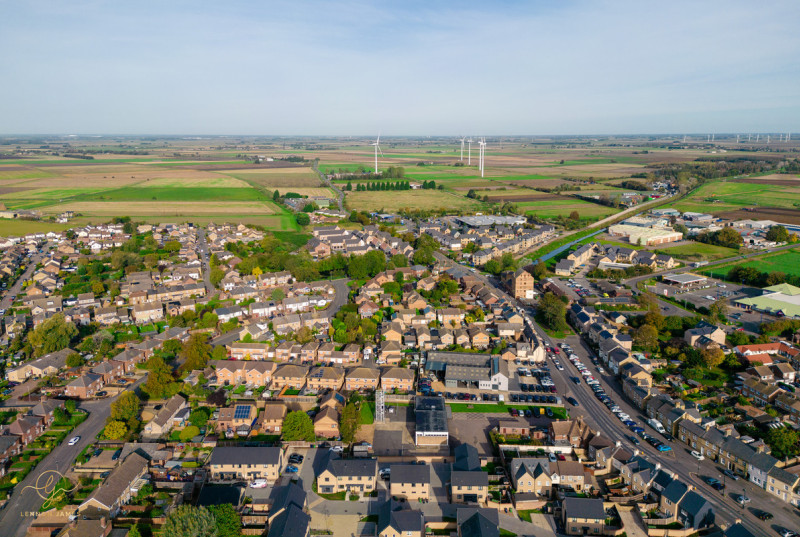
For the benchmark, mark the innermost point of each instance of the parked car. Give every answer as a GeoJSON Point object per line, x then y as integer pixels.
{"type": "Point", "coordinates": [635, 441]}
{"type": "Point", "coordinates": [730, 474]}
{"type": "Point", "coordinates": [763, 515]}
{"type": "Point", "coordinates": [697, 455]}
{"type": "Point", "coordinates": [74, 440]}
{"type": "Point", "coordinates": [292, 469]}
{"type": "Point", "coordinates": [258, 484]}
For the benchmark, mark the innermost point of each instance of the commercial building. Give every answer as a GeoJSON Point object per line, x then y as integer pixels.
{"type": "Point", "coordinates": [470, 370]}
{"type": "Point", "coordinates": [645, 236]}
{"type": "Point", "coordinates": [781, 300]}
{"type": "Point", "coordinates": [431, 421]}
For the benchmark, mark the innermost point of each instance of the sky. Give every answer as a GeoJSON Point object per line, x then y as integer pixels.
{"type": "Point", "coordinates": [409, 67]}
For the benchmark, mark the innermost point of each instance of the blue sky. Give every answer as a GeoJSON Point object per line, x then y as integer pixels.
{"type": "Point", "coordinates": [402, 68]}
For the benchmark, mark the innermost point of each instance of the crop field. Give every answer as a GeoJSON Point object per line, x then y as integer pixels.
{"type": "Point", "coordinates": [167, 208]}
{"type": "Point", "coordinates": [719, 198]}
{"type": "Point", "coordinates": [278, 177]}
{"type": "Point", "coordinates": [698, 251]}
{"type": "Point", "coordinates": [557, 207]}
{"type": "Point", "coordinates": [425, 200]}
{"type": "Point", "coordinates": [171, 194]}
{"type": "Point", "coordinates": [787, 261]}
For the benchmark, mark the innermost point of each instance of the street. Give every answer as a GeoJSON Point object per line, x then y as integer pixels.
{"type": "Point", "coordinates": [205, 259]}
{"type": "Point", "coordinates": [14, 290]}
{"type": "Point", "coordinates": [24, 503]}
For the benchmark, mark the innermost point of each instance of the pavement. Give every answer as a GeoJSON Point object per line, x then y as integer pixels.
{"type": "Point", "coordinates": [23, 505]}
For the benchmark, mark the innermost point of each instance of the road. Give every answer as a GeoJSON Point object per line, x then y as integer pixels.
{"type": "Point", "coordinates": [16, 287]}
{"type": "Point", "coordinates": [679, 460]}
{"type": "Point", "coordinates": [205, 258]}
{"type": "Point", "coordinates": [17, 514]}
{"type": "Point", "coordinates": [329, 184]}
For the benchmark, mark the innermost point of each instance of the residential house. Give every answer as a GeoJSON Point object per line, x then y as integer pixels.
{"type": "Point", "coordinates": [583, 516]}
{"type": "Point", "coordinates": [326, 423]}
{"type": "Point", "coordinates": [164, 419]}
{"type": "Point", "coordinates": [350, 475]}
{"type": "Point", "coordinates": [325, 378]}
{"type": "Point", "coordinates": [270, 421]}
{"type": "Point", "coordinates": [250, 463]}
{"type": "Point", "coordinates": [84, 387]}
{"type": "Point", "coordinates": [410, 481]}
{"type": "Point", "coordinates": [399, 379]}
{"type": "Point", "coordinates": [119, 487]}
{"type": "Point", "coordinates": [362, 379]}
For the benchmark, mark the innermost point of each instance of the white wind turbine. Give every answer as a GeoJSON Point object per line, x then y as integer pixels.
{"type": "Point", "coordinates": [377, 145]}
{"type": "Point", "coordinates": [482, 144]}
{"type": "Point", "coordinates": [469, 152]}
{"type": "Point", "coordinates": [462, 148]}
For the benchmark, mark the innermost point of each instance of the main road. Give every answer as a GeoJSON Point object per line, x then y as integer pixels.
{"type": "Point", "coordinates": [678, 460]}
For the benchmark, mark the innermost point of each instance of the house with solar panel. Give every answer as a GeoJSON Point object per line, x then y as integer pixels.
{"type": "Point", "coordinates": [237, 420]}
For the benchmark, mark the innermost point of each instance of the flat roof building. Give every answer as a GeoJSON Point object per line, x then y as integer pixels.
{"type": "Point", "coordinates": [684, 280]}
{"type": "Point", "coordinates": [431, 421]}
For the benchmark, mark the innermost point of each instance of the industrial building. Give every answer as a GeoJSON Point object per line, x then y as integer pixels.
{"type": "Point", "coordinates": [430, 414]}
{"type": "Point", "coordinates": [645, 236]}
{"type": "Point", "coordinates": [469, 370]}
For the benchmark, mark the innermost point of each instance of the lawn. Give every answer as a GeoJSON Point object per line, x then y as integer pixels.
{"type": "Point", "coordinates": [552, 208]}
{"type": "Point", "coordinates": [787, 261]}
{"type": "Point", "coordinates": [697, 251]}
{"type": "Point", "coordinates": [367, 413]}
{"type": "Point", "coordinates": [424, 200]}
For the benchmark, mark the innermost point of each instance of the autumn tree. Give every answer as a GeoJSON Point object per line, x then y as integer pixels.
{"type": "Point", "coordinates": [115, 430]}
{"type": "Point", "coordinates": [126, 409]}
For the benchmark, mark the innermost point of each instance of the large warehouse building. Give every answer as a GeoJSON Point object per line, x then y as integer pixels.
{"type": "Point", "coordinates": [782, 300]}
{"type": "Point", "coordinates": [645, 236]}
{"type": "Point", "coordinates": [469, 370]}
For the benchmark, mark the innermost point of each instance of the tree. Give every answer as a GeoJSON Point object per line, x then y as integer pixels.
{"type": "Point", "coordinates": [778, 234]}
{"type": "Point", "coordinates": [158, 378]}
{"type": "Point", "coordinates": [52, 335]}
{"type": "Point", "coordinates": [277, 294]}
{"type": "Point", "coordinates": [539, 270]}
{"type": "Point", "coordinates": [574, 215]}
{"type": "Point", "coordinates": [126, 409]}
{"type": "Point", "coordinates": [552, 312]}
{"type": "Point", "coordinates": [718, 310]}
{"type": "Point", "coordinates": [712, 357]}
{"type": "Point", "coordinates": [60, 415]}
{"type": "Point", "coordinates": [302, 219]}
{"type": "Point", "coordinates": [189, 521]}
{"type": "Point", "coordinates": [654, 318]}
{"type": "Point", "coordinates": [783, 442]}
{"type": "Point", "coordinates": [216, 276]}
{"type": "Point", "coordinates": [195, 353]}
{"type": "Point", "coordinates": [71, 405]}
{"type": "Point", "coordinates": [115, 430]}
{"type": "Point", "coordinates": [98, 288]}
{"type": "Point", "coordinates": [134, 531]}
{"type": "Point", "coordinates": [75, 360]}
{"type": "Point", "coordinates": [199, 416]}
{"type": "Point", "coordinates": [728, 237]}
{"type": "Point", "coordinates": [297, 425]}
{"type": "Point", "coordinates": [349, 422]}
{"type": "Point", "coordinates": [646, 337]}
{"type": "Point", "coordinates": [172, 246]}
{"type": "Point", "coordinates": [304, 335]}
{"type": "Point", "coordinates": [227, 520]}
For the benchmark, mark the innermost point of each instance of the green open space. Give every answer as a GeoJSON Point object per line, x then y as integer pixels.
{"type": "Point", "coordinates": [698, 251]}
{"type": "Point", "coordinates": [787, 261]}
{"type": "Point", "coordinates": [552, 208]}
{"type": "Point", "coordinates": [717, 197]}
{"type": "Point", "coordinates": [9, 227]}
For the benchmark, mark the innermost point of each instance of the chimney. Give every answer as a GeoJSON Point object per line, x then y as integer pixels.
{"type": "Point", "coordinates": [42, 398]}
{"type": "Point", "coordinates": [103, 522]}
{"type": "Point", "coordinates": [728, 432]}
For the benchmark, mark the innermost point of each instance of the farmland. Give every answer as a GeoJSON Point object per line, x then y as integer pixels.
{"type": "Point", "coordinates": [787, 261]}
{"type": "Point", "coordinates": [425, 200]}
{"type": "Point", "coordinates": [721, 197]}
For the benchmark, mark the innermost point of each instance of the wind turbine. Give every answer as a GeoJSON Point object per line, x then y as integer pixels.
{"type": "Point", "coordinates": [462, 148]}
{"type": "Point", "coordinates": [377, 145]}
{"type": "Point", "coordinates": [469, 152]}
{"type": "Point", "coordinates": [482, 144]}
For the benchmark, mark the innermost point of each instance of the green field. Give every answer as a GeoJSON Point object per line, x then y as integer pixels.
{"type": "Point", "coordinates": [787, 262]}
{"type": "Point", "coordinates": [176, 194]}
{"type": "Point", "coordinates": [697, 251]}
{"type": "Point", "coordinates": [23, 227]}
{"type": "Point", "coordinates": [718, 197]}
{"type": "Point", "coordinates": [551, 208]}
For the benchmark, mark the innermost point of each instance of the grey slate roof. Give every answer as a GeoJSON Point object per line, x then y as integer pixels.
{"type": "Point", "coordinates": [479, 525]}
{"type": "Point", "coordinates": [411, 473]}
{"type": "Point", "coordinates": [249, 455]}
{"type": "Point", "coordinates": [402, 520]}
{"type": "Point", "coordinates": [476, 478]}
{"type": "Point", "coordinates": [292, 522]}
{"type": "Point", "coordinates": [353, 467]}
{"type": "Point", "coordinates": [466, 458]}
{"type": "Point", "coordinates": [693, 503]}
{"type": "Point", "coordinates": [589, 508]}
{"type": "Point", "coordinates": [284, 496]}
{"type": "Point", "coordinates": [675, 491]}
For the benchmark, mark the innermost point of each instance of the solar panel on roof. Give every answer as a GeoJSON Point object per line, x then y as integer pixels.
{"type": "Point", "coordinates": [241, 412]}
